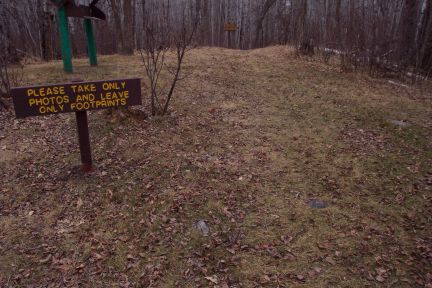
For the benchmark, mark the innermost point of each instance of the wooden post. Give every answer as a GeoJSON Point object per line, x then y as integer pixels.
{"type": "Point", "coordinates": [84, 141]}
{"type": "Point", "coordinates": [64, 40]}
{"type": "Point", "coordinates": [91, 46]}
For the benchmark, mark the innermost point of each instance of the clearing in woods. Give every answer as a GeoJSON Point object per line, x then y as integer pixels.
{"type": "Point", "coordinates": [252, 138]}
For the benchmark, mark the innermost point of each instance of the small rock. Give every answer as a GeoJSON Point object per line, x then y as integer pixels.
{"type": "Point", "coordinates": [317, 204]}
{"type": "Point", "coordinates": [202, 226]}
{"type": "Point", "coordinates": [400, 123]}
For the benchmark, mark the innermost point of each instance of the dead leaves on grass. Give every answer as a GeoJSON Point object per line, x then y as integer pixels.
{"type": "Point", "coordinates": [362, 141]}
{"type": "Point", "coordinates": [156, 178]}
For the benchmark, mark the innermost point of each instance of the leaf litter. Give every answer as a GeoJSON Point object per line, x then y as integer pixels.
{"type": "Point", "coordinates": [243, 152]}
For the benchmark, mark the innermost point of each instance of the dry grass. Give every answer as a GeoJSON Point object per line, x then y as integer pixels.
{"type": "Point", "coordinates": [252, 136]}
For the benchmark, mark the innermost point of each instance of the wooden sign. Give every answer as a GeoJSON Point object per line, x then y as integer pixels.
{"type": "Point", "coordinates": [230, 27]}
{"type": "Point", "coordinates": [76, 97]}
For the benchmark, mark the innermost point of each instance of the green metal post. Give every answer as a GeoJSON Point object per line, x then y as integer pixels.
{"type": "Point", "coordinates": [64, 40]}
{"type": "Point", "coordinates": [91, 47]}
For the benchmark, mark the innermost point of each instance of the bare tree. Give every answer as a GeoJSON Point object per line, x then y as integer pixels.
{"type": "Point", "coordinates": [123, 25]}
{"type": "Point", "coordinates": [424, 58]}
{"type": "Point", "coordinates": [9, 76]}
{"type": "Point", "coordinates": [408, 31]}
{"type": "Point", "coordinates": [379, 34]}
{"type": "Point", "coordinates": [268, 4]}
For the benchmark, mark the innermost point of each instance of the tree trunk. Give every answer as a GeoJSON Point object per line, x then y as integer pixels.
{"type": "Point", "coordinates": [118, 25]}
{"type": "Point", "coordinates": [268, 4]}
{"type": "Point", "coordinates": [408, 31]}
{"type": "Point", "coordinates": [426, 48]}
{"type": "Point", "coordinates": [127, 28]}
{"type": "Point", "coordinates": [46, 21]}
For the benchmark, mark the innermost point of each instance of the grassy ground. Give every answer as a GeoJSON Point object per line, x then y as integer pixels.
{"type": "Point", "coordinates": [252, 137]}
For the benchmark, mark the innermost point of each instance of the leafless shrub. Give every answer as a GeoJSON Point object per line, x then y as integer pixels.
{"type": "Point", "coordinates": [162, 38]}
{"type": "Point", "coordinates": [306, 48]}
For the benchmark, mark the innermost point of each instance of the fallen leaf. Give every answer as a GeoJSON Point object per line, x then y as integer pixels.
{"type": "Point", "coordinates": [212, 279]}
{"type": "Point", "coordinates": [80, 203]}
{"type": "Point", "coordinates": [123, 238]}
{"type": "Point", "coordinates": [381, 271]}
{"type": "Point", "coordinates": [330, 260]}
{"type": "Point", "coordinates": [300, 277]}
{"type": "Point", "coordinates": [265, 279]}
{"type": "Point", "coordinates": [317, 269]}
{"type": "Point", "coordinates": [97, 256]}
{"type": "Point", "coordinates": [45, 260]}
{"type": "Point", "coordinates": [324, 245]}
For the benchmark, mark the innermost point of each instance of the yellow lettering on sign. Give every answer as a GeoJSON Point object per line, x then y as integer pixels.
{"type": "Point", "coordinates": [83, 88]}
{"type": "Point", "coordinates": [114, 95]}
{"type": "Point", "coordinates": [46, 91]}
{"type": "Point", "coordinates": [48, 101]}
{"type": "Point", "coordinates": [47, 109]}
{"type": "Point", "coordinates": [85, 97]}
{"type": "Point", "coordinates": [110, 86]}
{"type": "Point", "coordinates": [31, 92]}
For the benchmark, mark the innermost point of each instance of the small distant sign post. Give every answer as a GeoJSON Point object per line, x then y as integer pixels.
{"type": "Point", "coordinates": [77, 97]}
{"type": "Point", "coordinates": [230, 28]}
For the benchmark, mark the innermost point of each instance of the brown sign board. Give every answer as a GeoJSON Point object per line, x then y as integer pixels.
{"type": "Point", "coordinates": [76, 97]}
{"type": "Point", "coordinates": [231, 27]}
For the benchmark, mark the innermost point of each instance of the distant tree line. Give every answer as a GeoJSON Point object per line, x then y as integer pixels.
{"type": "Point", "coordinates": [386, 34]}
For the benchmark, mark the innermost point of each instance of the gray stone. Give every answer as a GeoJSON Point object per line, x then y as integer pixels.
{"type": "Point", "coordinates": [400, 123]}
{"type": "Point", "coordinates": [317, 204]}
{"type": "Point", "coordinates": [203, 227]}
